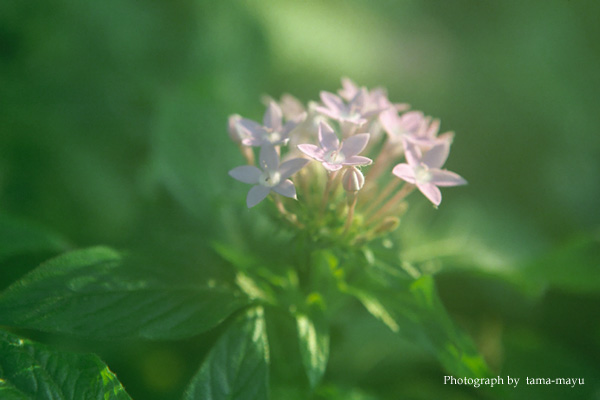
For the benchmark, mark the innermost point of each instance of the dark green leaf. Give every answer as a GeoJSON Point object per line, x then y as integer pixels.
{"type": "Point", "coordinates": [19, 237]}
{"type": "Point", "coordinates": [32, 371]}
{"type": "Point", "coordinates": [413, 310]}
{"type": "Point", "coordinates": [237, 367]}
{"type": "Point", "coordinates": [314, 345]}
{"type": "Point", "coordinates": [93, 292]}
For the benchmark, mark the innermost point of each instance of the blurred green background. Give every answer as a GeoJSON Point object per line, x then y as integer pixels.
{"type": "Point", "coordinates": [113, 131]}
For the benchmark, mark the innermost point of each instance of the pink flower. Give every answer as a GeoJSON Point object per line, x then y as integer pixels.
{"type": "Point", "coordinates": [271, 176]}
{"type": "Point", "coordinates": [272, 132]}
{"type": "Point", "coordinates": [355, 112]}
{"type": "Point", "coordinates": [334, 155]}
{"type": "Point", "coordinates": [424, 170]}
{"type": "Point", "coordinates": [399, 127]}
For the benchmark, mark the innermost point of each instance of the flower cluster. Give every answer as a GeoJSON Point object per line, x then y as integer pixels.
{"type": "Point", "coordinates": [399, 149]}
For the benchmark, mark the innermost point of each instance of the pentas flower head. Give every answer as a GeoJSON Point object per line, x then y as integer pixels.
{"type": "Point", "coordinates": [271, 176]}
{"type": "Point", "coordinates": [423, 170]}
{"type": "Point", "coordinates": [271, 132]}
{"type": "Point", "coordinates": [335, 155]}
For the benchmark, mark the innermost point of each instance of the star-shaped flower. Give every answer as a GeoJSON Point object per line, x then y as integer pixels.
{"type": "Point", "coordinates": [424, 170]}
{"type": "Point", "coordinates": [271, 176]}
{"type": "Point", "coordinates": [271, 132]}
{"type": "Point", "coordinates": [333, 154]}
{"type": "Point", "coordinates": [355, 112]}
{"type": "Point", "coordinates": [399, 127]}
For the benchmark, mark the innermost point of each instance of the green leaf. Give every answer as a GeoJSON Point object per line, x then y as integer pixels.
{"type": "Point", "coordinates": [313, 335]}
{"type": "Point", "coordinates": [30, 370]}
{"type": "Point", "coordinates": [413, 310]}
{"type": "Point", "coordinates": [237, 367]}
{"type": "Point", "coordinates": [20, 237]}
{"type": "Point", "coordinates": [93, 292]}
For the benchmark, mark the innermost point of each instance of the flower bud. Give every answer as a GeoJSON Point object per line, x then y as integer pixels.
{"type": "Point", "coordinates": [353, 180]}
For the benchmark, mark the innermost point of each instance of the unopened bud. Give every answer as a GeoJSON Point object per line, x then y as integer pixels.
{"type": "Point", "coordinates": [353, 180]}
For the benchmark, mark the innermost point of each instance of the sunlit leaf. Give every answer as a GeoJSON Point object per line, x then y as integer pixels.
{"type": "Point", "coordinates": [30, 370]}
{"type": "Point", "coordinates": [237, 367]}
{"type": "Point", "coordinates": [313, 335]}
{"type": "Point", "coordinates": [414, 311]}
{"type": "Point", "coordinates": [93, 292]}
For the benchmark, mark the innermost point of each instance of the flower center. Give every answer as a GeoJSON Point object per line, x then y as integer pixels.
{"type": "Point", "coordinates": [422, 173]}
{"type": "Point", "coordinates": [334, 157]}
{"type": "Point", "coordinates": [273, 137]}
{"type": "Point", "coordinates": [269, 178]}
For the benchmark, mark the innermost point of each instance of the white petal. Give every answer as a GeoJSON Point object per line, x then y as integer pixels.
{"type": "Point", "coordinates": [256, 195]}
{"type": "Point", "coordinates": [354, 144]}
{"type": "Point", "coordinates": [405, 172]}
{"type": "Point", "coordinates": [327, 138]}
{"type": "Point", "coordinates": [431, 192]}
{"type": "Point", "coordinates": [272, 118]}
{"type": "Point", "coordinates": [292, 166]}
{"type": "Point", "coordinates": [332, 102]}
{"type": "Point", "coordinates": [312, 151]}
{"type": "Point", "coordinates": [269, 159]}
{"type": "Point", "coordinates": [412, 153]}
{"type": "Point", "coordinates": [437, 155]}
{"type": "Point", "coordinates": [286, 188]}
{"type": "Point", "coordinates": [442, 177]}
{"type": "Point", "coordinates": [246, 174]}
{"type": "Point", "coordinates": [252, 128]}
{"type": "Point", "coordinates": [357, 160]}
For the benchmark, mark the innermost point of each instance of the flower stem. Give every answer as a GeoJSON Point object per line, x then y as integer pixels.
{"type": "Point", "coordinates": [399, 196]}
{"type": "Point", "coordinates": [328, 188]}
{"type": "Point", "coordinates": [383, 195]}
{"type": "Point", "coordinates": [350, 216]}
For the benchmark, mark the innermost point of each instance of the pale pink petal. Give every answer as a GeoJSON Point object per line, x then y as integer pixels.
{"type": "Point", "coordinates": [440, 177]}
{"type": "Point", "coordinates": [289, 126]}
{"type": "Point", "coordinates": [269, 159]}
{"type": "Point", "coordinates": [327, 138]}
{"type": "Point", "coordinates": [286, 188]}
{"type": "Point", "coordinates": [405, 172]}
{"type": "Point", "coordinates": [431, 192]}
{"type": "Point", "coordinates": [354, 144]}
{"type": "Point", "coordinates": [389, 120]}
{"type": "Point", "coordinates": [256, 195]}
{"type": "Point", "coordinates": [412, 120]}
{"type": "Point", "coordinates": [246, 174]}
{"type": "Point", "coordinates": [327, 112]}
{"type": "Point", "coordinates": [291, 107]}
{"type": "Point", "coordinates": [411, 152]}
{"type": "Point", "coordinates": [292, 166]}
{"type": "Point", "coordinates": [357, 160]}
{"type": "Point", "coordinates": [437, 155]}
{"type": "Point", "coordinates": [433, 129]}
{"type": "Point", "coordinates": [252, 128]}
{"type": "Point", "coordinates": [312, 151]}
{"type": "Point", "coordinates": [447, 137]}
{"type": "Point", "coordinates": [349, 89]}
{"type": "Point", "coordinates": [332, 102]}
{"type": "Point", "coordinates": [332, 167]}
{"type": "Point", "coordinates": [272, 118]}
